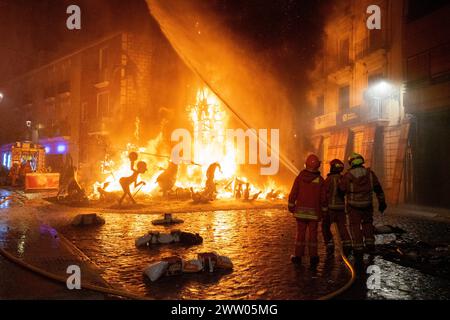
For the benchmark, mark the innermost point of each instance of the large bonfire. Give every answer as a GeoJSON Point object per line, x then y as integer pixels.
{"type": "Point", "coordinates": [209, 122]}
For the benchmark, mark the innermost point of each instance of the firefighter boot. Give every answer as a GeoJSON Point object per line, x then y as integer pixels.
{"type": "Point", "coordinates": [346, 250]}
{"type": "Point", "coordinates": [296, 260]}
{"type": "Point", "coordinates": [330, 248]}
{"type": "Point", "coordinates": [370, 248]}
{"type": "Point", "coordinates": [314, 261]}
{"type": "Point", "coordinates": [370, 245]}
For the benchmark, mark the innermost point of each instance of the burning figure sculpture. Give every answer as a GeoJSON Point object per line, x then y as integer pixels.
{"type": "Point", "coordinates": [210, 186]}
{"type": "Point", "coordinates": [210, 192]}
{"type": "Point", "coordinates": [167, 179]}
{"type": "Point", "coordinates": [125, 182]}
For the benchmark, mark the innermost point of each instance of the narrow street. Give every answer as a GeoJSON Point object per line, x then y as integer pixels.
{"type": "Point", "coordinates": [258, 242]}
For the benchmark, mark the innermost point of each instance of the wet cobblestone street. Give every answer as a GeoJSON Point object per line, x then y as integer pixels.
{"type": "Point", "coordinates": [258, 242]}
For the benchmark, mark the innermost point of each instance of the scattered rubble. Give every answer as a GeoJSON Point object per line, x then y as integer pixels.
{"type": "Point", "coordinates": [167, 220]}
{"type": "Point", "coordinates": [433, 259]}
{"type": "Point", "coordinates": [388, 229]}
{"type": "Point", "coordinates": [170, 266]}
{"type": "Point", "coordinates": [175, 236]}
{"type": "Point", "coordinates": [90, 219]}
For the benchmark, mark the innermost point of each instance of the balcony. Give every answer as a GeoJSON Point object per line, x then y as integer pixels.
{"type": "Point", "coordinates": [99, 126]}
{"type": "Point", "coordinates": [49, 93]}
{"type": "Point", "coordinates": [349, 116]}
{"type": "Point", "coordinates": [376, 41]}
{"type": "Point", "coordinates": [64, 87]}
{"type": "Point", "coordinates": [336, 65]}
{"type": "Point", "coordinates": [103, 79]}
{"type": "Point", "coordinates": [374, 110]}
{"type": "Point", "coordinates": [325, 121]}
{"type": "Point", "coordinates": [377, 110]}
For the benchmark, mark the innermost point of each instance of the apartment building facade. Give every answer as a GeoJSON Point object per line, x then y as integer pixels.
{"type": "Point", "coordinates": [358, 92]}
{"type": "Point", "coordinates": [427, 100]}
{"type": "Point", "coordinates": [91, 101]}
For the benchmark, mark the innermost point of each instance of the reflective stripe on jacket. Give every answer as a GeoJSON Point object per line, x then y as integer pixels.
{"type": "Point", "coordinates": [306, 213]}
{"type": "Point", "coordinates": [306, 195]}
{"type": "Point", "coordinates": [359, 184]}
{"type": "Point", "coordinates": [335, 198]}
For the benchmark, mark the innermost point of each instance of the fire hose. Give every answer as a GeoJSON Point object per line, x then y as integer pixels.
{"type": "Point", "coordinates": [62, 279]}
{"type": "Point", "coordinates": [284, 160]}
{"type": "Point", "coordinates": [128, 295]}
{"type": "Point", "coordinates": [349, 267]}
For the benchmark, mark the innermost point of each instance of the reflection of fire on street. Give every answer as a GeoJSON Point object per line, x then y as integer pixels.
{"type": "Point", "coordinates": [213, 173]}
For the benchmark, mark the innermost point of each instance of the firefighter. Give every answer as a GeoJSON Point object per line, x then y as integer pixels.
{"type": "Point", "coordinates": [359, 184]}
{"type": "Point", "coordinates": [306, 202]}
{"type": "Point", "coordinates": [14, 174]}
{"type": "Point", "coordinates": [336, 209]}
{"type": "Point", "coordinates": [24, 169]}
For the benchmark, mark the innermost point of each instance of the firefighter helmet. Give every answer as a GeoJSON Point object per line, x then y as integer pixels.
{"type": "Point", "coordinates": [336, 166]}
{"type": "Point", "coordinates": [141, 167]}
{"type": "Point", "coordinates": [312, 163]}
{"type": "Point", "coordinates": [355, 159]}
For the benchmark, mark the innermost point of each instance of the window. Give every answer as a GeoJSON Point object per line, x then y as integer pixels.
{"type": "Point", "coordinates": [63, 107]}
{"type": "Point", "coordinates": [103, 105]}
{"type": "Point", "coordinates": [376, 39]}
{"type": "Point", "coordinates": [420, 8]}
{"type": "Point", "coordinates": [84, 112]}
{"type": "Point", "coordinates": [320, 105]}
{"type": "Point", "coordinates": [417, 68]}
{"type": "Point", "coordinates": [344, 98]}
{"type": "Point", "coordinates": [103, 58]}
{"type": "Point", "coordinates": [440, 61]}
{"type": "Point", "coordinates": [344, 52]}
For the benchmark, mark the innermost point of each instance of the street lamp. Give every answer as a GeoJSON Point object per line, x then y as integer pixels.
{"type": "Point", "coordinates": [380, 97]}
{"type": "Point", "coordinates": [381, 90]}
{"type": "Point", "coordinates": [1, 96]}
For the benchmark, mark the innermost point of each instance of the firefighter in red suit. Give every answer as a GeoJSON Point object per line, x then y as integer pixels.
{"type": "Point", "coordinates": [306, 202]}
{"type": "Point", "coordinates": [359, 184]}
{"type": "Point", "coordinates": [336, 209]}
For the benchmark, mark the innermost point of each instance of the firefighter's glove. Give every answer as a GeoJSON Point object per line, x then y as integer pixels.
{"type": "Point", "coordinates": [382, 207]}
{"type": "Point", "coordinates": [291, 208]}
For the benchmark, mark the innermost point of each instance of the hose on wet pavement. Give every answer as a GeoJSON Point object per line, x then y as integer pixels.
{"type": "Point", "coordinates": [57, 278]}
{"type": "Point", "coordinates": [128, 295]}
{"type": "Point", "coordinates": [349, 266]}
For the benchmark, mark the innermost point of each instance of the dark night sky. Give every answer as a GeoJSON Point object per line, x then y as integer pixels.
{"type": "Point", "coordinates": [286, 32]}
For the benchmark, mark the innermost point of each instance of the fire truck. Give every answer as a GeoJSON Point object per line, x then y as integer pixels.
{"type": "Point", "coordinates": [29, 154]}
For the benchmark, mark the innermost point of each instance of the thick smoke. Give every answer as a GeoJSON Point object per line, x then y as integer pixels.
{"type": "Point", "coordinates": [239, 76]}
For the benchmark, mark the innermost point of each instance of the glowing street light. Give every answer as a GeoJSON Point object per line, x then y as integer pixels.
{"type": "Point", "coordinates": [1, 96]}
{"type": "Point", "coordinates": [381, 90]}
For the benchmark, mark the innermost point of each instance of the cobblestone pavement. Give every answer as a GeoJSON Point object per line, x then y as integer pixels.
{"type": "Point", "coordinates": [258, 241]}
{"type": "Point", "coordinates": [400, 282]}
{"type": "Point", "coordinates": [29, 237]}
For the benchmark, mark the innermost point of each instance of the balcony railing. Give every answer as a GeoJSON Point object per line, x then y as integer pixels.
{"type": "Point", "coordinates": [64, 87]}
{"type": "Point", "coordinates": [377, 110]}
{"type": "Point", "coordinates": [373, 110]}
{"type": "Point", "coordinates": [103, 78]}
{"type": "Point", "coordinates": [99, 126]}
{"type": "Point", "coordinates": [325, 121]}
{"type": "Point", "coordinates": [350, 115]}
